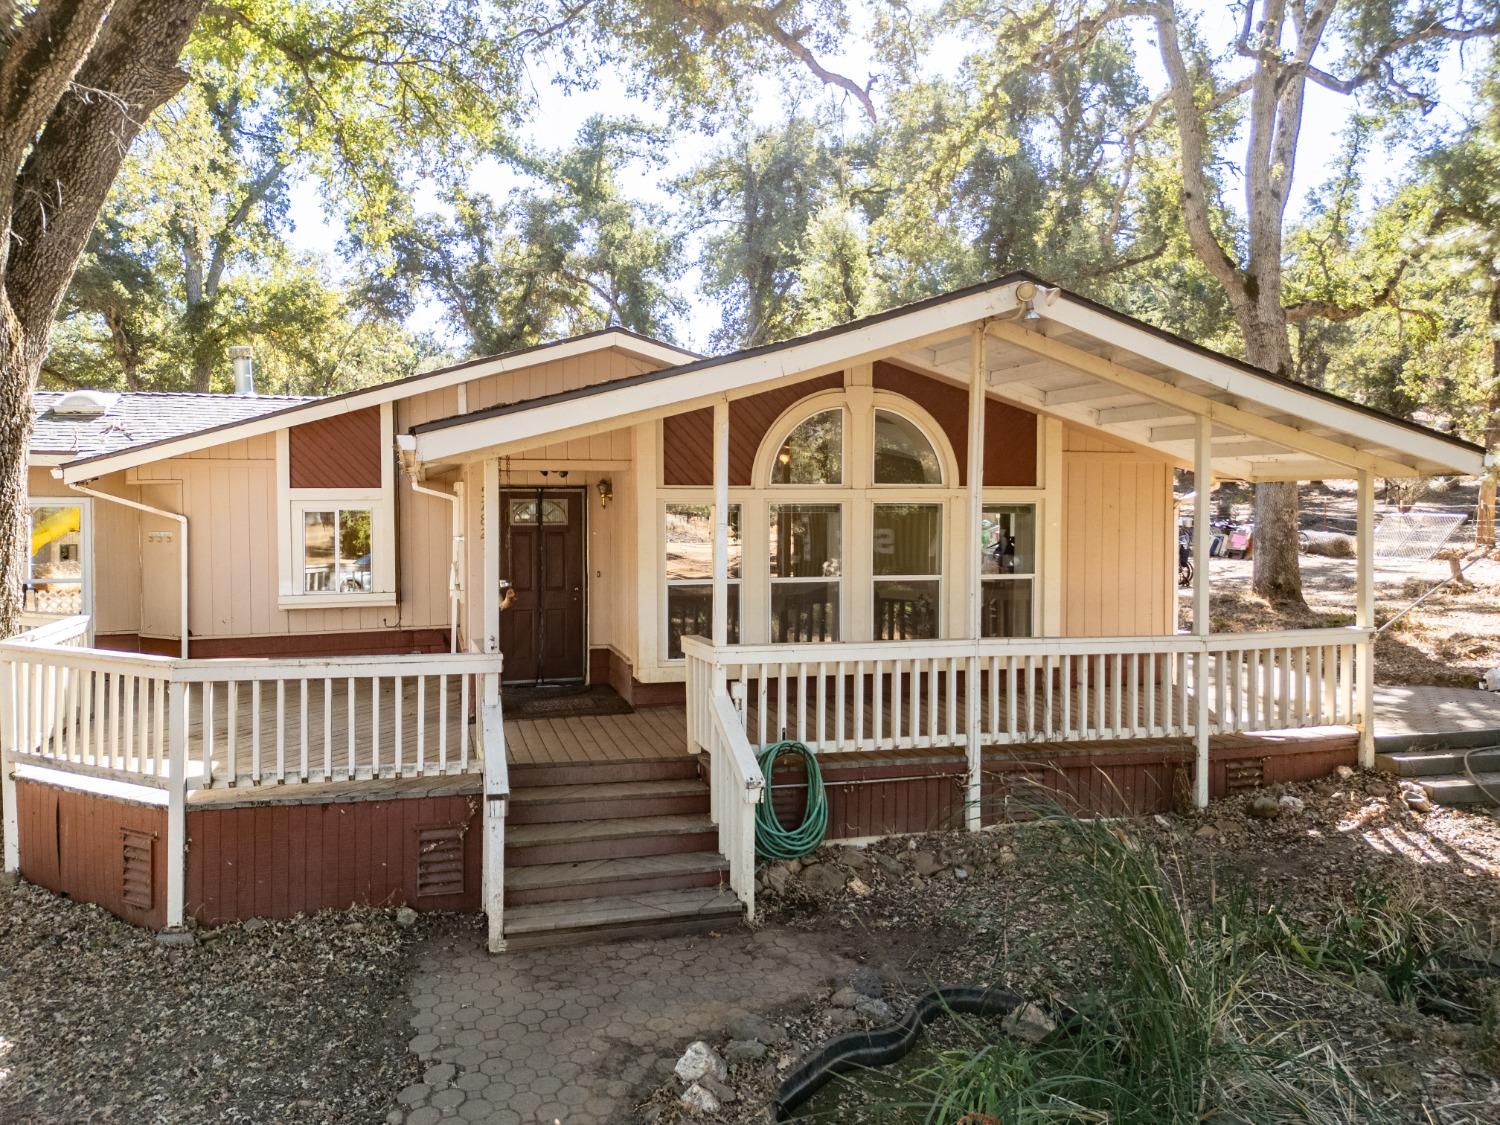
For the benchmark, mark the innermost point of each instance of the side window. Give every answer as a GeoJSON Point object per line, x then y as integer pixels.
{"type": "Point", "coordinates": [1007, 569]}
{"type": "Point", "coordinates": [690, 571]}
{"type": "Point", "coordinates": [57, 574]}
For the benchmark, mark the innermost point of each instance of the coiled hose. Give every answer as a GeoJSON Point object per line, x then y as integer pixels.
{"type": "Point", "coordinates": [772, 839]}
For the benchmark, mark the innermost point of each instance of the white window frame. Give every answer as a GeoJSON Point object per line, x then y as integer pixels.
{"type": "Point", "coordinates": [912, 500]}
{"type": "Point", "coordinates": [827, 496]}
{"type": "Point", "coordinates": [692, 500]}
{"type": "Point", "coordinates": [1037, 531]}
{"type": "Point", "coordinates": [923, 422]}
{"type": "Point", "coordinates": [293, 502]}
{"type": "Point", "coordinates": [85, 508]}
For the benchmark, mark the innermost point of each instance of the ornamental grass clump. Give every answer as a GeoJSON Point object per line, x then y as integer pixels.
{"type": "Point", "coordinates": [1174, 1032]}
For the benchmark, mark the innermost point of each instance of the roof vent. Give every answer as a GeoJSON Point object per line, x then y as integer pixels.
{"type": "Point", "coordinates": [85, 404]}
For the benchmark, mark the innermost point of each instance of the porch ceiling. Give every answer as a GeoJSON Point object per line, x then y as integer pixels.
{"type": "Point", "coordinates": [1068, 357]}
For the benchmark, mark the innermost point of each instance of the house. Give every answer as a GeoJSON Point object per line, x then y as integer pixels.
{"type": "Point", "coordinates": [937, 544]}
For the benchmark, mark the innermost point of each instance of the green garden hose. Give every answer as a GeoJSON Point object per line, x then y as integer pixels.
{"type": "Point", "coordinates": [772, 841]}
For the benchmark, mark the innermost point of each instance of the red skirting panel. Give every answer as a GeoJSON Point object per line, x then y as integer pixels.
{"type": "Point", "coordinates": [277, 860]}
{"type": "Point", "coordinates": [95, 849]}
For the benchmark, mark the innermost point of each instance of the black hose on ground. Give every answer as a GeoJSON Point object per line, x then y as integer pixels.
{"type": "Point", "coordinates": [884, 1045]}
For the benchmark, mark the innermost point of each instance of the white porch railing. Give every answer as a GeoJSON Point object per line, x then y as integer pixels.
{"type": "Point", "coordinates": [910, 695]}
{"type": "Point", "coordinates": [183, 725]}
{"type": "Point", "coordinates": [736, 787]}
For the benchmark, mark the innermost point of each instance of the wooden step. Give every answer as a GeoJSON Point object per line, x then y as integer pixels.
{"type": "Point", "coordinates": [678, 767]}
{"type": "Point", "coordinates": [567, 842]}
{"type": "Point", "coordinates": [542, 804]}
{"type": "Point", "coordinates": [1460, 789]}
{"type": "Point", "coordinates": [657, 914]}
{"type": "Point", "coordinates": [1430, 763]}
{"type": "Point", "coordinates": [613, 878]}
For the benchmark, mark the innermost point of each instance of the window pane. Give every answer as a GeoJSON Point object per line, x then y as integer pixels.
{"type": "Point", "coordinates": [813, 452]}
{"type": "Point", "coordinates": [906, 610]}
{"type": "Point", "coordinates": [908, 538]}
{"type": "Point", "coordinates": [690, 613]}
{"type": "Point", "coordinates": [803, 612]}
{"type": "Point", "coordinates": [56, 584]}
{"type": "Point", "coordinates": [1007, 537]}
{"type": "Point", "coordinates": [690, 542]}
{"type": "Point", "coordinates": [555, 512]}
{"type": "Point", "coordinates": [1005, 608]}
{"type": "Point", "coordinates": [903, 455]}
{"type": "Point", "coordinates": [354, 550]}
{"type": "Point", "coordinates": [318, 551]}
{"type": "Point", "coordinates": [522, 511]}
{"type": "Point", "coordinates": [806, 541]}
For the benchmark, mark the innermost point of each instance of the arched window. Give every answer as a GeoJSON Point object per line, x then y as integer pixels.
{"type": "Point", "coordinates": [903, 453]}
{"type": "Point", "coordinates": [813, 452]}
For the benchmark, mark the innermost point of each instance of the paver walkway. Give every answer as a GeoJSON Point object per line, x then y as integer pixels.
{"type": "Point", "coordinates": [581, 1035]}
{"type": "Point", "coordinates": [1434, 710]}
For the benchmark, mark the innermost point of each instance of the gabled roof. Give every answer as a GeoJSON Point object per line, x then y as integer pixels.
{"type": "Point", "coordinates": [286, 412]}
{"type": "Point", "coordinates": [138, 418]}
{"type": "Point", "coordinates": [1069, 357]}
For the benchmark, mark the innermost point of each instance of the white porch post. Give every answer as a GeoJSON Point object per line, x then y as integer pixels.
{"type": "Point", "coordinates": [9, 738]}
{"type": "Point", "coordinates": [972, 542]}
{"type": "Point", "coordinates": [177, 759]}
{"type": "Point", "coordinates": [1364, 614]}
{"type": "Point", "coordinates": [721, 525]}
{"type": "Point", "coordinates": [489, 724]}
{"type": "Point", "coordinates": [1202, 490]}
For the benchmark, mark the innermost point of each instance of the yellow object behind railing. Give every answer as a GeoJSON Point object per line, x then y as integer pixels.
{"type": "Point", "coordinates": [63, 521]}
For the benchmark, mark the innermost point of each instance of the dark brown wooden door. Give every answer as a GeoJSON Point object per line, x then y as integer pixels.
{"type": "Point", "coordinates": [541, 557]}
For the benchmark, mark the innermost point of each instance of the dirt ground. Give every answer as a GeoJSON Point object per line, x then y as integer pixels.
{"type": "Point", "coordinates": [996, 913]}
{"type": "Point", "coordinates": [1448, 640]}
{"type": "Point", "coordinates": [299, 1021]}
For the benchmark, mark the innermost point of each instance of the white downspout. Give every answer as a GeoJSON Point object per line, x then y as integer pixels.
{"type": "Point", "coordinates": [456, 546]}
{"type": "Point", "coordinates": [182, 549]}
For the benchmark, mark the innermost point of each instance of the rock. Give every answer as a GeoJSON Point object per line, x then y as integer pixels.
{"type": "Point", "coordinates": [718, 1089]}
{"type": "Point", "coordinates": [700, 1059]}
{"type": "Point", "coordinates": [745, 1050]}
{"type": "Point", "coordinates": [845, 998]}
{"type": "Point", "coordinates": [864, 980]}
{"type": "Point", "coordinates": [856, 859]}
{"type": "Point", "coordinates": [1345, 772]}
{"type": "Point", "coordinates": [1207, 831]}
{"type": "Point", "coordinates": [254, 925]}
{"type": "Point", "coordinates": [1264, 808]}
{"type": "Point", "coordinates": [927, 864]}
{"type": "Point", "coordinates": [889, 864]}
{"type": "Point", "coordinates": [175, 937]}
{"type": "Point", "coordinates": [842, 1017]}
{"type": "Point", "coordinates": [961, 873]}
{"type": "Point", "coordinates": [1417, 799]}
{"type": "Point", "coordinates": [1161, 821]}
{"type": "Point", "coordinates": [1029, 1022]}
{"type": "Point", "coordinates": [823, 878]}
{"type": "Point", "coordinates": [1291, 804]}
{"type": "Point", "coordinates": [777, 877]}
{"type": "Point", "coordinates": [697, 1099]}
{"type": "Point", "coordinates": [877, 1010]}
{"type": "Point", "coordinates": [747, 1025]}
{"type": "Point", "coordinates": [1005, 857]}
{"type": "Point", "coordinates": [406, 917]}
{"type": "Point", "coordinates": [859, 887]}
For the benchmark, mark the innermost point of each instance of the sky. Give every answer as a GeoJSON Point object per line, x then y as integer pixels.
{"type": "Point", "coordinates": [559, 114]}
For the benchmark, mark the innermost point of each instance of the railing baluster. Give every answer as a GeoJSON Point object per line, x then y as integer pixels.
{"type": "Point", "coordinates": [465, 687]}
{"type": "Point", "coordinates": [421, 766]}
{"type": "Point", "coordinates": [878, 694]}
{"type": "Point", "coordinates": [781, 725]}
{"type": "Point", "coordinates": [955, 738]}
{"type": "Point", "coordinates": [231, 739]}
{"type": "Point", "coordinates": [840, 734]}
{"type": "Point", "coordinates": [351, 752]}
{"type": "Point", "coordinates": [822, 706]}
{"type": "Point", "coordinates": [1151, 725]}
{"type": "Point", "coordinates": [802, 701]}
{"type": "Point", "coordinates": [207, 733]}
{"type": "Point", "coordinates": [375, 726]}
{"type": "Point", "coordinates": [1047, 671]}
{"type": "Point", "coordinates": [303, 742]}
{"type": "Point", "coordinates": [762, 716]}
{"type": "Point", "coordinates": [1065, 685]}
{"type": "Point", "coordinates": [443, 724]}
{"type": "Point", "coordinates": [255, 731]}
{"type": "Point", "coordinates": [398, 713]}
{"type": "Point", "coordinates": [896, 703]}
{"type": "Point", "coordinates": [327, 730]}
{"type": "Point", "coordinates": [859, 704]}
{"type": "Point", "coordinates": [280, 731]}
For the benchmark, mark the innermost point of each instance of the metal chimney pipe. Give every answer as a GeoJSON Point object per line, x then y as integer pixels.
{"type": "Point", "coordinates": [241, 358]}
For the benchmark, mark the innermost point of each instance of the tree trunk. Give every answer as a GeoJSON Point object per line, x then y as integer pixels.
{"type": "Point", "coordinates": [1276, 572]}
{"type": "Point", "coordinates": [1485, 532]}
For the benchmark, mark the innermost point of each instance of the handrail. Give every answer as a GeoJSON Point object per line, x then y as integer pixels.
{"type": "Point", "coordinates": [737, 786]}
{"type": "Point", "coordinates": [852, 651]}
{"type": "Point", "coordinates": [59, 632]}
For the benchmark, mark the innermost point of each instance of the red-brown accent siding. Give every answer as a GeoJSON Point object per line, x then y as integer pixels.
{"type": "Point", "coordinates": [375, 642]}
{"type": "Point", "coordinates": [338, 452]}
{"type": "Point", "coordinates": [73, 843]}
{"type": "Point", "coordinates": [275, 860]}
{"type": "Point", "coordinates": [1009, 431]}
{"type": "Point", "coordinates": [688, 439]}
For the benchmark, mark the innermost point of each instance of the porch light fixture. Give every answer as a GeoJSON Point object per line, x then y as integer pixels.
{"type": "Point", "coordinates": [606, 491]}
{"type": "Point", "coordinates": [785, 456]}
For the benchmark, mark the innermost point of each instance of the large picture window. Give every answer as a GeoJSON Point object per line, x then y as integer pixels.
{"type": "Point", "coordinates": [1007, 568]}
{"type": "Point", "coordinates": [806, 568]}
{"type": "Point", "coordinates": [907, 549]}
{"type": "Point", "coordinates": [813, 452]}
{"type": "Point", "coordinates": [690, 572]}
{"type": "Point", "coordinates": [56, 576]}
{"type": "Point", "coordinates": [903, 454]}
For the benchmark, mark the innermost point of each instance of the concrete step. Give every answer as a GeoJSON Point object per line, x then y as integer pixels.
{"type": "Point", "coordinates": [614, 878]}
{"type": "Point", "coordinates": [656, 914]}
{"type": "Point", "coordinates": [542, 804]}
{"type": "Point", "coordinates": [1429, 763]}
{"type": "Point", "coordinates": [677, 767]}
{"type": "Point", "coordinates": [1447, 740]}
{"type": "Point", "coordinates": [569, 842]}
{"type": "Point", "coordinates": [1460, 789]}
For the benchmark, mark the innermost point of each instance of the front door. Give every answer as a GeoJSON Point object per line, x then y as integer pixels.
{"type": "Point", "coordinates": [542, 584]}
